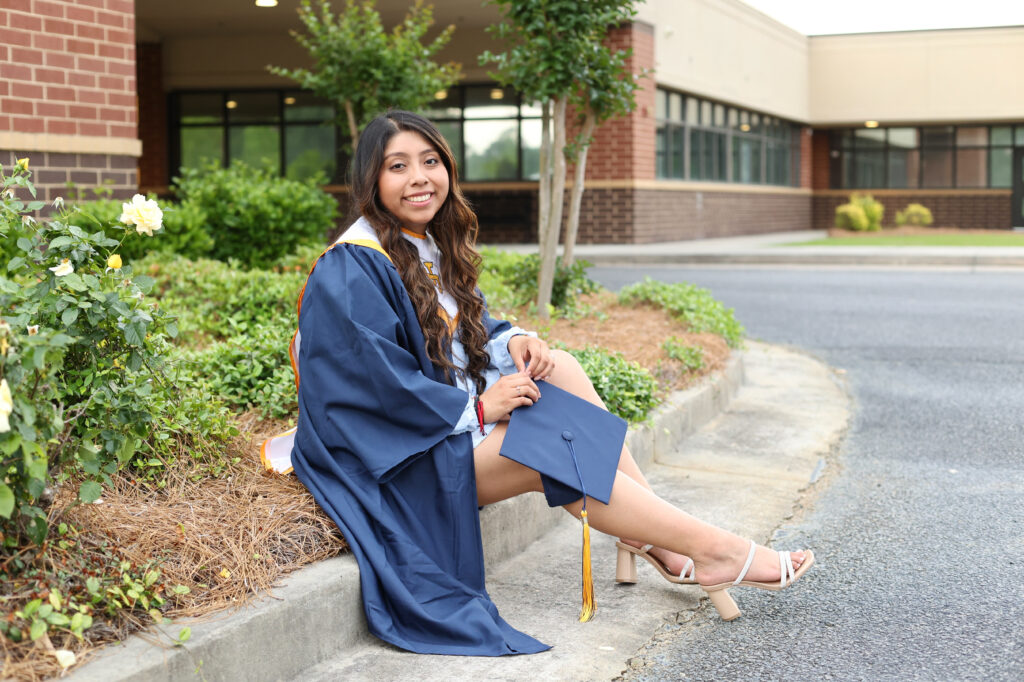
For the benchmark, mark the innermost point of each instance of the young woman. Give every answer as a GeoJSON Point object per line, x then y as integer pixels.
{"type": "Point", "coordinates": [405, 386]}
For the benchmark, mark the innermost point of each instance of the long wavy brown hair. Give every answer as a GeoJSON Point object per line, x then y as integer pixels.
{"type": "Point", "coordinates": [454, 229]}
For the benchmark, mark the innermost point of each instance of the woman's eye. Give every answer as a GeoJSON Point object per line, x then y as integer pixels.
{"type": "Point", "coordinates": [433, 162]}
{"type": "Point", "coordinates": [397, 166]}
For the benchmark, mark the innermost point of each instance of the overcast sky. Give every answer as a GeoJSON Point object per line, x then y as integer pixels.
{"type": "Point", "coordinates": [816, 17]}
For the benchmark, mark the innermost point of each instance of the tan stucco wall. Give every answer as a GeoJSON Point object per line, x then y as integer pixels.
{"type": "Point", "coordinates": [917, 77]}
{"type": "Point", "coordinates": [726, 50]}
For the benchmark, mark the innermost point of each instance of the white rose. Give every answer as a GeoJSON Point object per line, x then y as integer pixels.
{"type": "Point", "coordinates": [65, 268]}
{"type": "Point", "coordinates": [6, 406]}
{"type": "Point", "coordinates": [143, 213]}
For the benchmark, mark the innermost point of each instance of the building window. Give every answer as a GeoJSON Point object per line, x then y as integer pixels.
{"type": "Point", "coordinates": [494, 134]}
{"type": "Point", "coordinates": [971, 156]}
{"type": "Point", "coordinates": [289, 131]}
{"type": "Point", "coordinates": [698, 139]}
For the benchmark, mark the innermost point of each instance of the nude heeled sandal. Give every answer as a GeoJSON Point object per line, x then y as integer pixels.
{"type": "Point", "coordinates": [625, 566]}
{"type": "Point", "coordinates": [724, 603]}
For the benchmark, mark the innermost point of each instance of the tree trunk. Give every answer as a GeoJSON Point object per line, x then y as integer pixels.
{"type": "Point", "coordinates": [576, 198]}
{"type": "Point", "coordinates": [544, 184]}
{"type": "Point", "coordinates": [549, 245]}
{"type": "Point", "coordinates": [353, 129]}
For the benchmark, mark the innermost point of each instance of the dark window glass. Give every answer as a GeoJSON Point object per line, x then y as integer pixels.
{"type": "Point", "coordinates": [257, 145]}
{"type": "Point", "coordinates": [530, 145]}
{"type": "Point", "coordinates": [1002, 135]}
{"type": "Point", "coordinates": [305, 107]}
{"type": "Point", "coordinates": [452, 131]}
{"type": "Point", "coordinates": [309, 150]}
{"type": "Point", "coordinates": [661, 151]}
{"type": "Point", "coordinates": [972, 168]}
{"type": "Point", "coordinates": [937, 167]}
{"type": "Point", "coordinates": [1001, 166]}
{"type": "Point", "coordinates": [937, 136]}
{"type": "Point", "coordinates": [678, 158]}
{"type": "Point", "coordinates": [869, 138]}
{"type": "Point", "coordinates": [971, 137]}
{"type": "Point", "coordinates": [201, 108]}
{"type": "Point", "coordinates": [696, 144]}
{"type": "Point", "coordinates": [869, 169]}
{"type": "Point", "coordinates": [253, 107]}
{"type": "Point", "coordinates": [485, 101]}
{"type": "Point", "coordinates": [199, 145]}
{"type": "Point", "coordinates": [1019, 136]}
{"type": "Point", "coordinates": [903, 168]}
{"type": "Point", "coordinates": [492, 150]}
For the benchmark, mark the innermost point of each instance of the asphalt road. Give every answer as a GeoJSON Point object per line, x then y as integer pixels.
{"type": "Point", "coordinates": [920, 536]}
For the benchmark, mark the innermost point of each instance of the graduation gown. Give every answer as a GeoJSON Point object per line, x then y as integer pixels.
{"type": "Point", "coordinates": [373, 446]}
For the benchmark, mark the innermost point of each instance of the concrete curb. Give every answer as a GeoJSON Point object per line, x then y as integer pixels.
{"type": "Point", "coordinates": [767, 257]}
{"type": "Point", "coordinates": [294, 621]}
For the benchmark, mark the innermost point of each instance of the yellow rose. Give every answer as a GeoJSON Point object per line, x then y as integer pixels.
{"type": "Point", "coordinates": [23, 163]}
{"type": "Point", "coordinates": [143, 213]}
{"type": "Point", "coordinates": [114, 262]}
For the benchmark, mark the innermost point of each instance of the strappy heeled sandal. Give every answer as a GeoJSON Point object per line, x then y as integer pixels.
{"type": "Point", "coordinates": [625, 565]}
{"type": "Point", "coordinates": [724, 603]}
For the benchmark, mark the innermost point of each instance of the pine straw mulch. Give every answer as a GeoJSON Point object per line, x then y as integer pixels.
{"type": "Point", "coordinates": [231, 538]}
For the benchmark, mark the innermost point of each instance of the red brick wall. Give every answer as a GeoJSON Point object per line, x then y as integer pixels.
{"type": "Point", "coordinates": [67, 67]}
{"type": "Point", "coordinates": [966, 209]}
{"type": "Point", "coordinates": [820, 160]}
{"type": "Point", "coordinates": [806, 158]}
{"type": "Point", "coordinates": [153, 165]}
{"type": "Point", "coordinates": [623, 148]}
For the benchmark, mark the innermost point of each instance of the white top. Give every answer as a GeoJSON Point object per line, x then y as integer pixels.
{"type": "Point", "coordinates": [497, 348]}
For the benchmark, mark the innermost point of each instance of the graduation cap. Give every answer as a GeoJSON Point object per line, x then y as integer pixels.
{"type": "Point", "coordinates": [575, 447]}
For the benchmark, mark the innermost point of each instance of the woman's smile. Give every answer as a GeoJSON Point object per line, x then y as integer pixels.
{"type": "Point", "coordinates": [413, 182]}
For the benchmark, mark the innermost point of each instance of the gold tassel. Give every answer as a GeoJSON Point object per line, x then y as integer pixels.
{"type": "Point", "coordinates": [589, 604]}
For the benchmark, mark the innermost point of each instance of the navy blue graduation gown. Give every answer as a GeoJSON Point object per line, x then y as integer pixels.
{"type": "Point", "coordinates": [373, 447]}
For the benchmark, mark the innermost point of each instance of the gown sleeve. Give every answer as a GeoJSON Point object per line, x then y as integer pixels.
{"type": "Point", "coordinates": [362, 377]}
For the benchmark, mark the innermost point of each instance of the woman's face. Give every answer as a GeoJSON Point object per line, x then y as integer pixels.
{"type": "Point", "coordinates": [413, 182]}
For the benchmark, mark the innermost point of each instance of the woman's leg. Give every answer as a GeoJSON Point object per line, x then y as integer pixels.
{"type": "Point", "coordinates": [569, 376]}
{"type": "Point", "coordinates": [635, 512]}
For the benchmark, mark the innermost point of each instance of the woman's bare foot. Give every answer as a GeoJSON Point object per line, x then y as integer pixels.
{"type": "Point", "coordinates": [673, 563]}
{"type": "Point", "coordinates": [722, 563]}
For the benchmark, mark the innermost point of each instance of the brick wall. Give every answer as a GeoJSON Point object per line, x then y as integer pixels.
{"type": "Point", "coordinates": [623, 148]}
{"type": "Point", "coordinates": [806, 158]}
{"type": "Point", "coordinates": [821, 160]}
{"type": "Point", "coordinates": [67, 68]}
{"type": "Point", "coordinates": [966, 209]}
{"type": "Point", "coordinates": [153, 164]}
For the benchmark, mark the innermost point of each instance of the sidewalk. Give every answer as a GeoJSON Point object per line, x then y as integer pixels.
{"type": "Point", "coordinates": [771, 249]}
{"type": "Point", "coordinates": [740, 457]}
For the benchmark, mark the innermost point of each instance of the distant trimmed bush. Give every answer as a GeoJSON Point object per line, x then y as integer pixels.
{"type": "Point", "coordinates": [863, 214]}
{"type": "Point", "coordinates": [914, 214]}
{"type": "Point", "coordinates": [254, 216]}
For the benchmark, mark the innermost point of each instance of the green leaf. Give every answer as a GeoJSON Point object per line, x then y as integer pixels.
{"type": "Point", "coordinates": [6, 501]}
{"type": "Point", "coordinates": [32, 607]}
{"type": "Point", "coordinates": [92, 585]}
{"type": "Point", "coordinates": [90, 491]}
{"type": "Point", "coordinates": [184, 634]}
{"type": "Point", "coordinates": [69, 316]}
{"type": "Point", "coordinates": [24, 244]}
{"type": "Point", "coordinates": [63, 240]}
{"type": "Point", "coordinates": [15, 263]}
{"type": "Point", "coordinates": [180, 589]}
{"type": "Point", "coordinates": [38, 629]}
{"type": "Point", "coordinates": [144, 283]}
{"type": "Point", "coordinates": [74, 281]}
{"type": "Point", "coordinates": [134, 333]}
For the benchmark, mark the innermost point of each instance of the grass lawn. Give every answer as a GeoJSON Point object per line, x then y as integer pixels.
{"type": "Point", "coordinates": [973, 239]}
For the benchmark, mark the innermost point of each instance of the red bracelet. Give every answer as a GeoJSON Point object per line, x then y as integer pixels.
{"type": "Point", "coordinates": [480, 414]}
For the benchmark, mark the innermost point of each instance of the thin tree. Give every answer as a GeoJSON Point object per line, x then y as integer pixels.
{"type": "Point", "coordinates": [363, 69]}
{"type": "Point", "coordinates": [551, 60]}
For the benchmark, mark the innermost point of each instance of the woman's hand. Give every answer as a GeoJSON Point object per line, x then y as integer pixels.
{"type": "Point", "coordinates": [508, 393]}
{"type": "Point", "coordinates": [532, 356]}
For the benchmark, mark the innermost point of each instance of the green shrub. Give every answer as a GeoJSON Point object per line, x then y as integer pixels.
{"type": "Point", "coordinates": [851, 217]}
{"type": "Point", "coordinates": [254, 216]}
{"type": "Point", "coordinates": [81, 360]}
{"type": "Point", "coordinates": [626, 388]}
{"type": "Point", "coordinates": [214, 300]}
{"type": "Point", "coordinates": [914, 214]}
{"type": "Point", "coordinates": [690, 304]}
{"type": "Point", "coordinates": [570, 282]}
{"type": "Point", "coordinates": [691, 357]}
{"type": "Point", "coordinates": [184, 231]}
{"type": "Point", "coordinates": [863, 213]}
{"type": "Point", "coordinates": [248, 370]}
